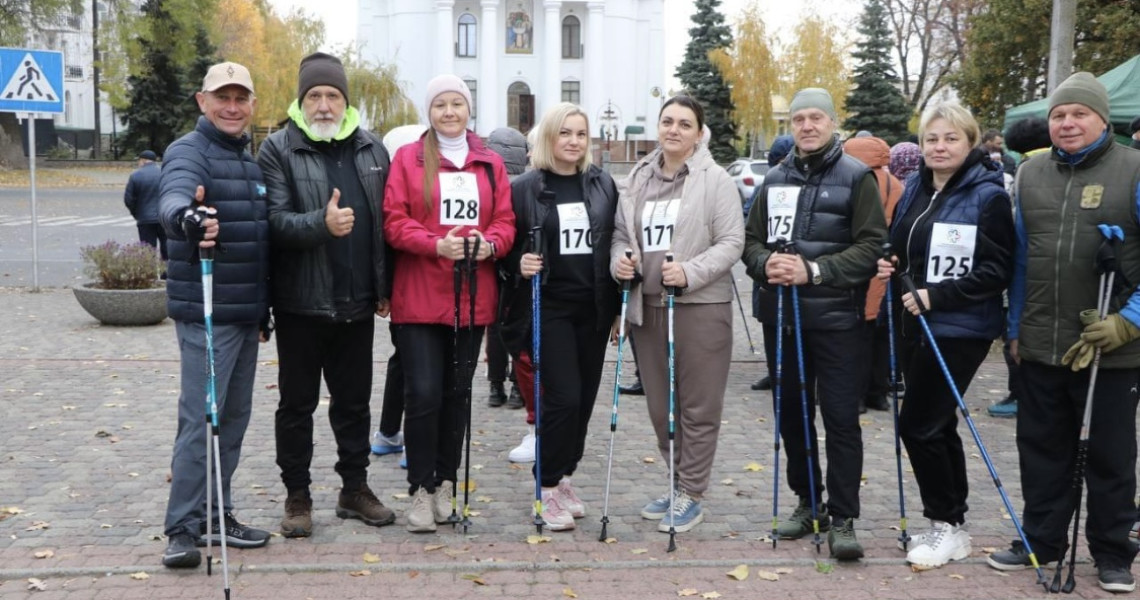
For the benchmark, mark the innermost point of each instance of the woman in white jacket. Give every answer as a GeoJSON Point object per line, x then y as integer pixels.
{"type": "Point", "coordinates": [678, 200]}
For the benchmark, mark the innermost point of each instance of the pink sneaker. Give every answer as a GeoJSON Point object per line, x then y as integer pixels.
{"type": "Point", "coordinates": [554, 516]}
{"type": "Point", "coordinates": [568, 499]}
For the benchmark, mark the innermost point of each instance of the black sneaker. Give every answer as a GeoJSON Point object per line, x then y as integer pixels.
{"type": "Point", "coordinates": [632, 390]}
{"type": "Point", "coordinates": [1115, 579]}
{"type": "Point", "coordinates": [515, 400]}
{"type": "Point", "coordinates": [497, 396]}
{"type": "Point", "coordinates": [181, 552]}
{"type": "Point", "coordinates": [1015, 558]}
{"type": "Point", "coordinates": [764, 383]}
{"type": "Point", "coordinates": [237, 535]}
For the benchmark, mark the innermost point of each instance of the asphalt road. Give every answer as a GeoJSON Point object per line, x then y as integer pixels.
{"type": "Point", "coordinates": [68, 218]}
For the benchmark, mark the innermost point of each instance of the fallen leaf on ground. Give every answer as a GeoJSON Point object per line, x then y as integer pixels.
{"type": "Point", "coordinates": [36, 584]}
{"type": "Point", "coordinates": [399, 495]}
{"type": "Point", "coordinates": [37, 525]}
{"type": "Point", "coordinates": [537, 539]}
{"type": "Point", "coordinates": [12, 510]}
{"type": "Point", "coordinates": [767, 576]}
{"type": "Point", "coordinates": [710, 595]}
{"type": "Point", "coordinates": [569, 593]}
{"type": "Point", "coordinates": [783, 571]}
{"type": "Point", "coordinates": [371, 558]}
{"type": "Point", "coordinates": [476, 579]}
{"type": "Point", "coordinates": [919, 568]}
{"type": "Point", "coordinates": [484, 499]}
{"type": "Point", "coordinates": [989, 549]}
{"type": "Point", "coordinates": [468, 485]}
{"type": "Point", "coordinates": [956, 576]}
{"type": "Point", "coordinates": [740, 573]}
{"type": "Point", "coordinates": [753, 466]}
{"type": "Point", "coordinates": [434, 547]}
{"type": "Point", "coordinates": [823, 567]}
{"type": "Point", "coordinates": [140, 576]}
{"type": "Point", "coordinates": [610, 540]}
{"type": "Point", "coordinates": [452, 552]}
{"type": "Point", "coordinates": [360, 573]}
{"type": "Point", "coordinates": [639, 551]}
{"type": "Point", "coordinates": [104, 526]}
{"type": "Point", "coordinates": [687, 592]}
{"type": "Point", "coordinates": [44, 554]}
{"type": "Point", "coordinates": [726, 481]}
{"type": "Point", "coordinates": [649, 460]}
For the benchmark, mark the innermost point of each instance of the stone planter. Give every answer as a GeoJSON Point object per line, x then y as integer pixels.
{"type": "Point", "coordinates": [123, 307]}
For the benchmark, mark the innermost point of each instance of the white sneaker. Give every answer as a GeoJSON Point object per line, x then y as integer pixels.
{"type": "Point", "coordinates": [944, 543]}
{"type": "Point", "coordinates": [420, 514]}
{"type": "Point", "coordinates": [915, 540]}
{"type": "Point", "coordinates": [555, 517]}
{"type": "Point", "coordinates": [525, 451]}
{"type": "Point", "coordinates": [569, 500]}
{"type": "Point", "coordinates": [441, 502]}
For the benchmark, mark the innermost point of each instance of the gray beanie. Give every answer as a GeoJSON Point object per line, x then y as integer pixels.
{"type": "Point", "coordinates": [813, 98]}
{"type": "Point", "coordinates": [1082, 88]}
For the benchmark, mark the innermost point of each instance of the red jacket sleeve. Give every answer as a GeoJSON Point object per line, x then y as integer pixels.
{"type": "Point", "coordinates": [404, 228]}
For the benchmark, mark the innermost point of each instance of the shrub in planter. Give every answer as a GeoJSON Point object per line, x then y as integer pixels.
{"type": "Point", "coordinates": [126, 289]}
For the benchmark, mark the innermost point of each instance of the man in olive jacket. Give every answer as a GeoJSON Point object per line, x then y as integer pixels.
{"type": "Point", "coordinates": [325, 178]}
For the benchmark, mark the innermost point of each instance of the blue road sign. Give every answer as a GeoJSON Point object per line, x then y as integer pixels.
{"type": "Point", "coordinates": [32, 80]}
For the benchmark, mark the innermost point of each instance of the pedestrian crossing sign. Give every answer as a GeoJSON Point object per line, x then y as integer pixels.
{"type": "Point", "coordinates": [33, 80]}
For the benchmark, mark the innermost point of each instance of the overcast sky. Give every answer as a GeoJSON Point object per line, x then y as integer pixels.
{"type": "Point", "coordinates": [779, 16]}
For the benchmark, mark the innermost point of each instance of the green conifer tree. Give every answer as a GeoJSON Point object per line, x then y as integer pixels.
{"type": "Point", "coordinates": [876, 104]}
{"type": "Point", "coordinates": [703, 81]}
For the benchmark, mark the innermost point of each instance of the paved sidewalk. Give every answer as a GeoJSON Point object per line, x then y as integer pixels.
{"type": "Point", "coordinates": [88, 418]}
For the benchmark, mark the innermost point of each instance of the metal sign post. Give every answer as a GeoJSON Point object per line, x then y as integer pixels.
{"type": "Point", "coordinates": [33, 80]}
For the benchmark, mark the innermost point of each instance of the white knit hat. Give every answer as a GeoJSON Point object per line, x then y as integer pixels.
{"type": "Point", "coordinates": [446, 83]}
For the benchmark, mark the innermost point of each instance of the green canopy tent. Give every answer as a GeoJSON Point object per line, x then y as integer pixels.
{"type": "Point", "coordinates": [1123, 85]}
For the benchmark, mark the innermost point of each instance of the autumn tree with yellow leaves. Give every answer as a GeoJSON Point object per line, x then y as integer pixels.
{"type": "Point", "coordinates": [750, 70]}
{"type": "Point", "coordinates": [814, 57]}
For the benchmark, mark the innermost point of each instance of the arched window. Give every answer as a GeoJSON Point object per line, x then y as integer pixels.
{"type": "Point", "coordinates": [468, 36]}
{"type": "Point", "coordinates": [572, 91]}
{"type": "Point", "coordinates": [520, 107]}
{"type": "Point", "coordinates": [571, 37]}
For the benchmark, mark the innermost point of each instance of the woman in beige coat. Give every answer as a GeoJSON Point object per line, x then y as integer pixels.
{"type": "Point", "coordinates": [678, 200]}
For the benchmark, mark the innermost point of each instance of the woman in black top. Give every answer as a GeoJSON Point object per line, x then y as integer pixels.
{"type": "Point", "coordinates": [573, 202]}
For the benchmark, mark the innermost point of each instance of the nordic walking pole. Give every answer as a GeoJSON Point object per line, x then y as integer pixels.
{"type": "Point", "coordinates": [777, 388]}
{"type": "Point", "coordinates": [1106, 265]}
{"type": "Point", "coordinates": [206, 256]}
{"type": "Point", "coordinates": [904, 539]}
{"type": "Point", "coordinates": [536, 363]}
{"type": "Point", "coordinates": [908, 283]}
{"type": "Point", "coordinates": [740, 305]}
{"type": "Point", "coordinates": [670, 294]}
{"type": "Point", "coordinates": [457, 281]}
{"type": "Point", "coordinates": [625, 285]}
{"type": "Point", "coordinates": [470, 258]}
{"type": "Point", "coordinates": [816, 540]}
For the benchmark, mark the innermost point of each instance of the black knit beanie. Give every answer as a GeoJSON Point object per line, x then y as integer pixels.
{"type": "Point", "coordinates": [319, 68]}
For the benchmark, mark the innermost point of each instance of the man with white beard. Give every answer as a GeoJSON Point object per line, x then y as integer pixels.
{"type": "Point", "coordinates": [325, 180]}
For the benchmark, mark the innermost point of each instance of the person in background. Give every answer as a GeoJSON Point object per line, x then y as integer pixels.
{"type": "Point", "coordinates": [430, 236]}
{"type": "Point", "coordinates": [875, 153]}
{"type": "Point", "coordinates": [1135, 128]}
{"type": "Point", "coordinates": [905, 158]}
{"type": "Point", "coordinates": [994, 144]}
{"type": "Point", "coordinates": [678, 200]}
{"type": "Point", "coordinates": [141, 199]}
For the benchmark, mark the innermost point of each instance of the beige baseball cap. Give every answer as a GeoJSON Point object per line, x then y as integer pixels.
{"type": "Point", "coordinates": [227, 73]}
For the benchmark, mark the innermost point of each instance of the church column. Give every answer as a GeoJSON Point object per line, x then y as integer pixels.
{"type": "Point", "coordinates": [444, 37]}
{"type": "Point", "coordinates": [489, 93]}
{"type": "Point", "coordinates": [594, 86]}
{"type": "Point", "coordinates": [551, 59]}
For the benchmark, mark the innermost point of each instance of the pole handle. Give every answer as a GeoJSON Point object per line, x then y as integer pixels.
{"type": "Point", "coordinates": [625, 285]}
{"type": "Point", "coordinates": [670, 289]}
{"type": "Point", "coordinates": [909, 287]}
{"type": "Point", "coordinates": [536, 241]}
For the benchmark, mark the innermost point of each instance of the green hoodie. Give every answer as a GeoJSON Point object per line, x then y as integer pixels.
{"type": "Point", "coordinates": [347, 126]}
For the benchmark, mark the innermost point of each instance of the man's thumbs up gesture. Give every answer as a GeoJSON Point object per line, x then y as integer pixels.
{"type": "Point", "coordinates": [338, 220]}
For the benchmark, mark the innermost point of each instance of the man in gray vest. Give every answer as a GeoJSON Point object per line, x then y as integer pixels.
{"type": "Point", "coordinates": [827, 205]}
{"type": "Point", "coordinates": [1060, 199]}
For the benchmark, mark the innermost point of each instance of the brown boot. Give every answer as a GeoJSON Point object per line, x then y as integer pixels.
{"type": "Point", "coordinates": [298, 521]}
{"type": "Point", "coordinates": [362, 504]}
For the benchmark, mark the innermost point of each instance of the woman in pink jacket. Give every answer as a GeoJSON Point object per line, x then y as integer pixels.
{"type": "Point", "coordinates": [445, 192]}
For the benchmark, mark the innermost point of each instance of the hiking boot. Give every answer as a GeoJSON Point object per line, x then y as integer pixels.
{"type": "Point", "coordinates": [1114, 578]}
{"type": "Point", "coordinates": [555, 517]}
{"type": "Point", "coordinates": [383, 444]}
{"type": "Point", "coordinates": [524, 452]}
{"type": "Point", "coordinates": [497, 396]}
{"type": "Point", "coordinates": [298, 521]}
{"type": "Point", "coordinates": [181, 552]}
{"type": "Point", "coordinates": [841, 540]}
{"type": "Point", "coordinates": [237, 535]}
{"type": "Point", "coordinates": [569, 499]}
{"type": "Point", "coordinates": [419, 514]}
{"type": "Point", "coordinates": [687, 514]}
{"type": "Point", "coordinates": [362, 504]}
{"type": "Point", "coordinates": [764, 383]}
{"type": "Point", "coordinates": [658, 508]}
{"type": "Point", "coordinates": [441, 502]}
{"type": "Point", "coordinates": [1016, 558]}
{"type": "Point", "coordinates": [799, 524]}
{"type": "Point", "coordinates": [1006, 408]}
{"type": "Point", "coordinates": [515, 400]}
{"type": "Point", "coordinates": [942, 544]}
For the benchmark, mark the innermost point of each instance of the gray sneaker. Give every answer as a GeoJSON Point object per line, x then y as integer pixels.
{"type": "Point", "coordinates": [799, 524]}
{"type": "Point", "coordinates": [419, 516]}
{"type": "Point", "coordinates": [842, 541]}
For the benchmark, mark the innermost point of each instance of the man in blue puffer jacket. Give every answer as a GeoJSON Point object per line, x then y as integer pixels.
{"type": "Point", "coordinates": [210, 167]}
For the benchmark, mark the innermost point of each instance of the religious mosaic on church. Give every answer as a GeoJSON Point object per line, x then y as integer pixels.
{"type": "Point", "coordinates": [520, 28]}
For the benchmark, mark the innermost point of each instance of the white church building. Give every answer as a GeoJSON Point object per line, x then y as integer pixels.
{"type": "Point", "coordinates": [520, 57]}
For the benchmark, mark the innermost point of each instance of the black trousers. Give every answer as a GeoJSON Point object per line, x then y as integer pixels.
{"type": "Point", "coordinates": [878, 343]}
{"type": "Point", "coordinates": [836, 370]}
{"type": "Point", "coordinates": [392, 411]}
{"type": "Point", "coordinates": [498, 359]}
{"type": "Point", "coordinates": [573, 352]}
{"type": "Point", "coordinates": [155, 235]}
{"type": "Point", "coordinates": [435, 360]}
{"type": "Point", "coordinates": [306, 347]}
{"type": "Point", "coordinates": [928, 423]}
{"type": "Point", "coordinates": [1016, 390]}
{"type": "Point", "coordinates": [1048, 427]}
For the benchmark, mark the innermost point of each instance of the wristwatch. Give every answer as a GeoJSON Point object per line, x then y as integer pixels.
{"type": "Point", "coordinates": [816, 275]}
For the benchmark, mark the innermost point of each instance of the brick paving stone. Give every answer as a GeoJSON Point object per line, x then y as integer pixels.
{"type": "Point", "coordinates": [87, 415]}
